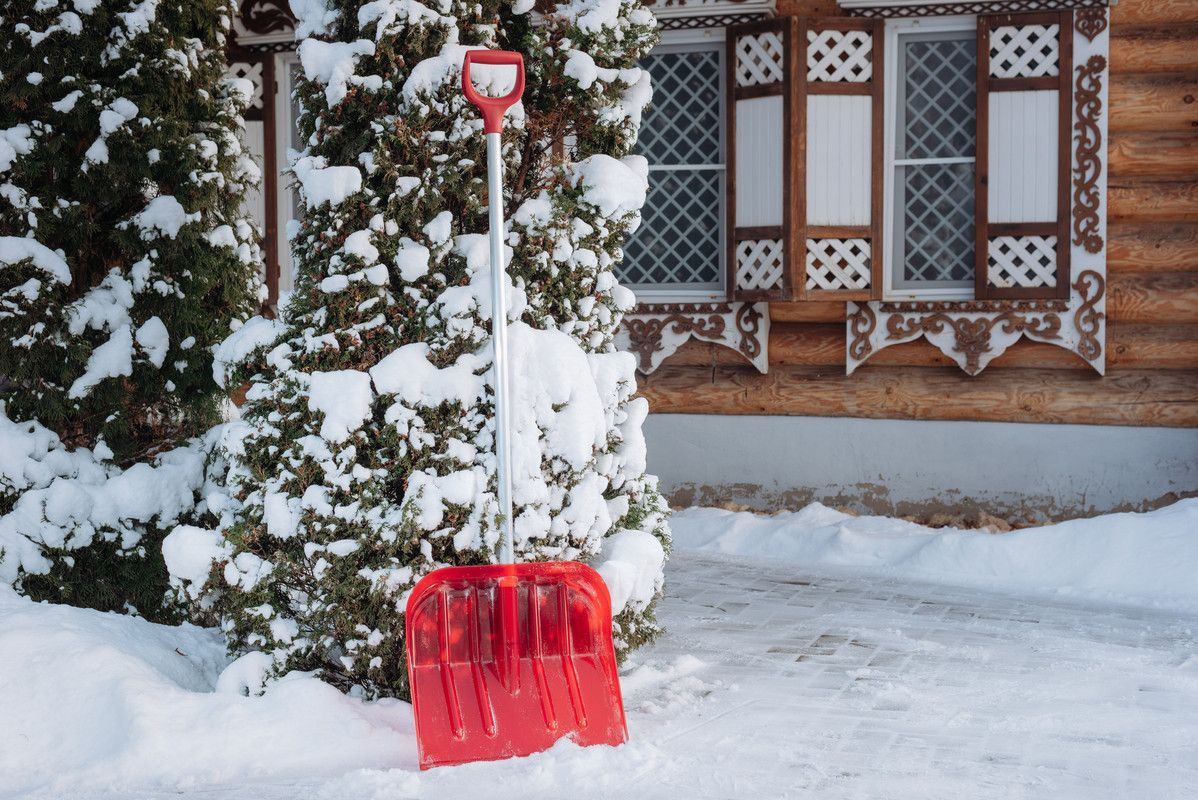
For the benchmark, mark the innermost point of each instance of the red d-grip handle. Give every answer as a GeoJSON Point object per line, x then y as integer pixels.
{"type": "Point", "coordinates": [492, 108]}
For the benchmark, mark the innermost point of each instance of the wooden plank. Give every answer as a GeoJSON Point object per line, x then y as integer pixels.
{"type": "Point", "coordinates": [1149, 200]}
{"type": "Point", "coordinates": [798, 344]}
{"type": "Point", "coordinates": [1154, 155]}
{"type": "Point", "coordinates": [981, 167]}
{"type": "Point", "coordinates": [807, 8]}
{"type": "Point", "coordinates": [1064, 158]}
{"type": "Point", "coordinates": [1150, 12]}
{"type": "Point", "coordinates": [824, 311]}
{"type": "Point", "coordinates": [1152, 49]}
{"type": "Point", "coordinates": [1153, 247]}
{"type": "Point", "coordinates": [1154, 104]}
{"type": "Point", "coordinates": [1133, 346]}
{"type": "Point", "coordinates": [1132, 397]}
{"type": "Point", "coordinates": [1167, 298]}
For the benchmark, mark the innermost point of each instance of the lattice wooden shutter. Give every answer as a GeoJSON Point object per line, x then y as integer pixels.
{"type": "Point", "coordinates": [760, 59]}
{"type": "Point", "coordinates": [838, 92]}
{"type": "Point", "coordinates": [1023, 156]}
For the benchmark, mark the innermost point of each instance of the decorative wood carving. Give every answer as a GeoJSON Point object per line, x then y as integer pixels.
{"type": "Point", "coordinates": [253, 72]}
{"type": "Point", "coordinates": [1088, 318]}
{"type": "Point", "coordinates": [1090, 22]}
{"type": "Point", "coordinates": [972, 335]}
{"type": "Point", "coordinates": [669, 10]}
{"type": "Point", "coordinates": [654, 332]}
{"type": "Point", "coordinates": [977, 7]}
{"type": "Point", "coordinates": [707, 21]}
{"type": "Point", "coordinates": [749, 320]}
{"type": "Point", "coordinates": [862, 322]}
{"type": "Point", "coordinates": [266, 16]}
{"type": "Point", "coordinates": [1087, 198]}
{"type": "Point", "coordinates": [976, 332]}
{"type": "Point", "coordinates": [972, 306]}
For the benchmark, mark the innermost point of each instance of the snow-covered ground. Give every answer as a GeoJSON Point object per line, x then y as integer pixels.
{"type": "Point", "coordinates": [807, 654]}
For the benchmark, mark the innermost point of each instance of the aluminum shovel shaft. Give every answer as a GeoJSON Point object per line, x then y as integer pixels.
{"type": "Point", "coordinates": [493, 109]}
{"type": "Point", "coordinates": [503, 445]}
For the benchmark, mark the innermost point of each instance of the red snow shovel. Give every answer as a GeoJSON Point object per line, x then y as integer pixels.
{"type": "Point", "coordinates": [505, 659]}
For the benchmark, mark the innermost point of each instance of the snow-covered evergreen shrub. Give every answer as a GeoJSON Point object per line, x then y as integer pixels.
{"type": "Point", "coordinates": [124, 257]}
{"type": "Point", "coordinates": [364, 457]}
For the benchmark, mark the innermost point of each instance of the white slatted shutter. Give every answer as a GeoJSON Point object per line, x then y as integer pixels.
{"type": "Point", "coordinates": [1023, 158]}
{"type": "Point", "coordinates": [840, 127]}
{"type": "Point", "coordinates": [759, 60]}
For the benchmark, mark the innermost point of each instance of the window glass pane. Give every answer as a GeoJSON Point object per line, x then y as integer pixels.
{"type": "Point", "coordinates": [935, 145]}
{"type": "Point", "coordinates": [678, 244]}
{"type": "Point", "coordinates": [679, 238]}
{"type": "Point", "coordinates": [939, 98]}
{"type": "Point", "coordinates": [938, 226]}
{"type": "Point", "coordinates": [682, 126]}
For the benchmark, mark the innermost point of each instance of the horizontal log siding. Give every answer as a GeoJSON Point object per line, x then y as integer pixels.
{"type": "Point", "coordinates": [1152, 301]}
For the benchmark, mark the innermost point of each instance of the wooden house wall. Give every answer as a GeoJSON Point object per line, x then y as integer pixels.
{"type": "Point", "coordinates": [1152, 301]}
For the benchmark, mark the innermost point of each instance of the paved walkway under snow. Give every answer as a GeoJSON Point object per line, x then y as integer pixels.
{"type": "Point", "coordinates": [846, 686]}
{"type": "Point", "coordinates": [784, 682]}
{"type": "Point", "coordinates": [835, 685]}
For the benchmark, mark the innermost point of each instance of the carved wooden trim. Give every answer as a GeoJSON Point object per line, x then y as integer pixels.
{"type": "Point", "coordinates": [749, 319]}
{"type": "Point", "coordinates": [972, 334]}
{"type": "Point", "coordinates": [1088, 319]}
{"type": "Point", "coordinates": [708, 21]}
{"type": "Point", "coordinates": [670, 10]}
{"type": "Point", "coordinates": [654, 332]}
{"type": "Point", "coordinates": [1087, 198]}
{"type": "Point", "coordinates": [967, 306]}
{"type": "Point", "coordinates": [1090, 22]}
{"type": "Point", "coordinates": [862, 322]}
{"type": "Point", "coordinates": [975, 7]}
{"type": "Point", "coordinates": [266, 16]}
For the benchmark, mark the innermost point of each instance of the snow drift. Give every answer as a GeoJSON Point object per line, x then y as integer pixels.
{"type": "Point", "coordinates": [1144, 559]}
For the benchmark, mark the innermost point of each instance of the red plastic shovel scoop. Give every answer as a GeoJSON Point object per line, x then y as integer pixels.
{"type": "Point", "coordinates": [505, 659]}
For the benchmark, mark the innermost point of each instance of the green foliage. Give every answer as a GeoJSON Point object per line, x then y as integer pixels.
{"type": "Point", "coordinates": [332, 530]}
{"type": "Point", "coordinates": [126, 162]}
{"type": "Point", "coordinates": [107, 577]}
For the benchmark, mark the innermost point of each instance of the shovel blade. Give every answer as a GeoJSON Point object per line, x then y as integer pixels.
{"type": "Point", "coordinates": [506, 659]}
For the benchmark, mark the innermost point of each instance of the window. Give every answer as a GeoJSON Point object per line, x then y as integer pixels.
{"type": "Point", "coordinates": [931, 143]}
{"type": "Point", "coordinates": [288, 138]}
{"type": "Point", "coordinates": [925, 158]}
{"type": "Point", "coordinates": [677, 253]}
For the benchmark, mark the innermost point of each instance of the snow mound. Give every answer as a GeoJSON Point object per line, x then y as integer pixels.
{"type": "Point", "coordinates": [1143, 559]}
{"type": "Point", "coordinates": [105, 702]}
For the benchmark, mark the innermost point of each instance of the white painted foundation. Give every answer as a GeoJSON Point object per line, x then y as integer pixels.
{"type": "Point", "coordinates": [1018, 471]}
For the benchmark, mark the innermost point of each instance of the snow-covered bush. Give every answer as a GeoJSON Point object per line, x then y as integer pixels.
{"type": "Point", "coordinates": [364, 458]}
{"type": "Point", "coordinates": [124, 258]}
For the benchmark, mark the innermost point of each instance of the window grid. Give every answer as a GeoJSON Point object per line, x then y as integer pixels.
{"type": "Point", "coordinates": [679, 245]}
{"type": "Point", "coordinates": [932, 148]}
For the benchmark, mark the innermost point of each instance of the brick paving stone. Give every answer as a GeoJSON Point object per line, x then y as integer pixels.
{"type": "Point", "coordinates": [833, 684]}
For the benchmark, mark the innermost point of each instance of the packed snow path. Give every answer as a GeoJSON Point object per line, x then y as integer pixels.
{"type": "Point", "coordinates": [774, 681]}
{"type": "Point", "coordinates": [850, 686]}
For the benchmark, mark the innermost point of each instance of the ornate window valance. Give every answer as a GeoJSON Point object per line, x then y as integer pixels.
{"type": "Point", "coordinates": [682, 14]}
{"type": "Point", "coordinates": [922, 8]}
{"type": "Point", "coordinates": [654, 332]}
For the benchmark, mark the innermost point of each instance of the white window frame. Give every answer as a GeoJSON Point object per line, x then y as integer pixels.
{"type": "Point", "coordinates": [685, 41]}
{"type": "Point", "coordinates": [894, 30]}
{"type": "Point", "coordinates": [285, 195]}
